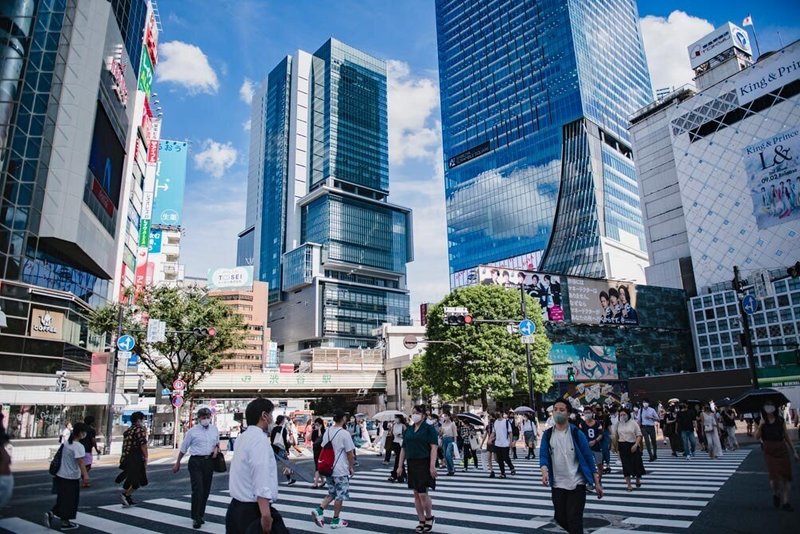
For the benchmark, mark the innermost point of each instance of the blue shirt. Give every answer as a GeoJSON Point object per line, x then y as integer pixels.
{"type": "Point", "coordinates": [582, 453]}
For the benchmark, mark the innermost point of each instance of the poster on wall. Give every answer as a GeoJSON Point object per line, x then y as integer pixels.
{"type": "Point", "coordinates": [602, 301]}
{"type": "Point", "coordinates": [170, 182]}
{"type": "Point", "coordinates": [543, 288]}
{"type": "Point", "coordinates": [524, 262]}
{"type": "Point", "coordinates": [590, 362]}
{"type": "Point", "coordinates": [773, 174]}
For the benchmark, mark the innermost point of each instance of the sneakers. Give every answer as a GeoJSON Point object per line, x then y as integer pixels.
{"type": "Point", "coordinates": [337, 522]}
{"type": "Point", "coordinates": [124, 500]}
{"type": "Point", "coordinates": [316, 516]}
{"type": "Point", "coordinates": [491, 474]}
{"type": "Point", "coordinates": [291, 481]}
{"type": "Point", "coordinates": [69, 525]}
{"type": "Point", "coordinates": [48, 519]}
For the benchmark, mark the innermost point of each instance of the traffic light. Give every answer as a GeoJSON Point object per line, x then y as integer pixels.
{"type": "Point", "coordinates": [570, 374]}
{"type": "Point", "coordinates": [457, 316]}
{"type": "Point", "coordinates": [202, 332]}
{"type": "Point", "coordinates": [794, 270]}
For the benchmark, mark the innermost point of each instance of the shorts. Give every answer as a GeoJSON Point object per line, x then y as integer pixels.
{"type": "Point", "coordinates": [88, 459]}
{"type": "Point", "coordinates": [598, 458]}
{"type": "Point", "coordinates": [338, 488]}
{"type": "Point", "coordinates": [419, 475]}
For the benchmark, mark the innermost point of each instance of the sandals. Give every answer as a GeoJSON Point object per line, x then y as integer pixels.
{"type": "Point", "coordinates": [420, 528]}
{"type": "Point", "coordinates": [428, 525]}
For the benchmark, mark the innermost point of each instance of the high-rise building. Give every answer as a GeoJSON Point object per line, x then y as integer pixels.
{"type": "Point", "coordinates": [719, 191]}
{"type": "Point", "coordinates": [68, 130]}
{"type": "Point", "coordinates": [535, 99]}
{"type": "Point", "coordinates": [327, 241]}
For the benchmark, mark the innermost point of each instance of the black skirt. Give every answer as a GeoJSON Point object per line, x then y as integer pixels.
{"type": "Point", "coordinates": [632, 464]}
{"type": "Point", "coordinates": [419, 475]}
{"type": "Point", "coordinates": [134, 473]}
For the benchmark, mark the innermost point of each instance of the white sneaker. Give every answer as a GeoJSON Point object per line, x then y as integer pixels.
{"type": "Point", "coordinates": [318, 519]}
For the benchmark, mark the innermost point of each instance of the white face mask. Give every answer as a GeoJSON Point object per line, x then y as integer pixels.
{"type": "Point", "coordinates": [645, 404]}
{"type": "Point", "coordinates": [623, 418]}
{"type": "Point", "coordinates": [769, 409]}
{"type": "Point", "coordinates": [416, 418]}
{"type": "Point", "coordinates": [205, 422]}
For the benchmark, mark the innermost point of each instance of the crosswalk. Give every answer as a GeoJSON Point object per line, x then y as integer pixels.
{"type": "Point", "coordinates": [674, 492]}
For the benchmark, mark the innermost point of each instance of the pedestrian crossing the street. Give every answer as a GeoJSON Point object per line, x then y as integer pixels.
{"type": "Point", "coordinates": [673, 494]}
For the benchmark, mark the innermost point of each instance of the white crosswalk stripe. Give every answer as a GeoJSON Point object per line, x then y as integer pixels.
{"type": "Point", "coordinates": [673, 493]}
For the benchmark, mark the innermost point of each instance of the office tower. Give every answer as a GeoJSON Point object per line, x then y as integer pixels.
{"type": "Point", "coordinates": [719, 192]}
{"type": "Point", "coordinates": [535, 99]}
{"type": "Point", "coordinates": [325, 238]}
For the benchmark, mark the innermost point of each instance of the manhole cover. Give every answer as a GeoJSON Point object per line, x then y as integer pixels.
{"type": "Point", "coordinates": [595, 522]}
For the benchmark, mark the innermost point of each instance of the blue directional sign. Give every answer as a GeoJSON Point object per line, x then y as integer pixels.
{"type": "Point", "coordinates": [749, 304]}
{"type": "Point", "coordinates": [133, 361]}
{"type": "Point", "coordinates": [527, 327]}
{"type": "Point", "coordinates": [126, 343]}
{"type": "Point", "coordinates": [165, 393]}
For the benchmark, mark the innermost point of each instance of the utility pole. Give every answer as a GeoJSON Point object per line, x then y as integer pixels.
{"type": "Point", "coordinates": [113, 389]}
{"type": "Point", "coordinates": [527, 348]}
{"type": "Point", "coordinates": [746, 340]}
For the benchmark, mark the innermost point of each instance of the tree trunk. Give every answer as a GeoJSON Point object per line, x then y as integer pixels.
{"type": "Point", "coordinates": [484, 400]}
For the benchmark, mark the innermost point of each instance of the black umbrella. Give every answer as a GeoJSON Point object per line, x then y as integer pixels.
{"type": "Point", "coordinates": [523, 410]}
{"type": "Point", "coordinates": [753, 400]}
{"type": "Point", "coordinates": [722, 403]}
{"type": "Point", "coordinates": [470, 418]}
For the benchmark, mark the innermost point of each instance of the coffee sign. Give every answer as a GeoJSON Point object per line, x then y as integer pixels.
{"type": "Point", "coordinates": [47, 324]}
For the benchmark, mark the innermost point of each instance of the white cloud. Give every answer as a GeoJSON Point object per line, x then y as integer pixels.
{"type": "Point", "coordinates": [185, 64]}
{"type": "Point", "coordinates": [215, 158]}
{"type": "Point", "coordinates": [246, 125]}
{"type": "Point", "coordinates": [413, 101]}
{"type": "Point", "coordinates": [666, 41]}
{"type": "Point", "coordinates": [247, 90]}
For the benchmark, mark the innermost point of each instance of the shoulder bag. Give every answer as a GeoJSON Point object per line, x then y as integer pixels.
{"type": "Point", "coordinates": [55, 463]}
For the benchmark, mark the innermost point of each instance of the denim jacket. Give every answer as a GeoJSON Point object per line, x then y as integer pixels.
{"type": "Point", "coordinates": [583, 454]}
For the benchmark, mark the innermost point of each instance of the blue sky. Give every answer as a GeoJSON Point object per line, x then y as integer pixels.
{"type": "Point", "coordinates": [209, 56]}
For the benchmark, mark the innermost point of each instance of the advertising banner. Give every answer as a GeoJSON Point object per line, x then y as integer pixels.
{"type": "Point", "coordinates": [524, 262]}
{"type": "Point", "coordinates": [591, 362]}
{"type": "Point", "coordinates": [766, 77]}
{"type": "Point", "coordinates": [145, 73]}
{"type": "Point", "coordinates": [225, 278]}
{"type": "Point", "coordinates": [716, 42]}
{"type": "Point", "coordinates": [170, 182]}
{"type": "Point", "coordinates": [602, 301]}
{"type": "Point", "coordinates": [154, 247]}
{"type": "Point", "coordinates": [773, 174]}
{"type": "Point", "coordinates": [589, 393]}
{"type": "Point", "coordinates": [543, 288]}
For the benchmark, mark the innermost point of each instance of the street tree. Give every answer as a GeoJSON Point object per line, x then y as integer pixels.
{"type": "Point", "coordinates": [185, 353]}
{"type": "Point", "coordinates": [418, 385]}
{"type": "Point", "coordinates": [491, 356]}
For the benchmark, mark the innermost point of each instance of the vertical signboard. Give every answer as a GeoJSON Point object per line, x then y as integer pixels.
{"type": "Point", "coordinates": [170, 182]}
{"type": "Point", "coordinates": [146, 74]}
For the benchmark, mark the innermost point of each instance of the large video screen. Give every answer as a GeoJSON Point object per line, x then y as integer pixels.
{"type": "Point", "coordinates": [107, 156]}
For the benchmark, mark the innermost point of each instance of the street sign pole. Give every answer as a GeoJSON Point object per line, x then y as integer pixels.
{"type": "Point", "coordinates": [527, 349]}
{"type": "Point", "coordinates": [112, 390]}
{"type": "Point", "coordinates": [748, 342]}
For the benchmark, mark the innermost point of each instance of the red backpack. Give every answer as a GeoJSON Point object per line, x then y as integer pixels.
{"type": "Point", "coordinates": [327, 459]}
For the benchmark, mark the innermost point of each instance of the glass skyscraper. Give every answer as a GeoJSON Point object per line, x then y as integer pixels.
{"type": "Point", "coordinates": [328, 242]}
{"type": "Point", "coordinates": [535, 100]}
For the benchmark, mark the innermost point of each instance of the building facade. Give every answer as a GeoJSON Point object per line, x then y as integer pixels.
{"type": "Point", "coordinates": [251, 305]}
{"type": "Point", "coordinates": [535, 99]}
{"type": "Point", "coordinates": [70, 122]}
{"type": "Point", "coordinates": [325, 238]}
{"type": "Point", "coordinates": [720, 192]}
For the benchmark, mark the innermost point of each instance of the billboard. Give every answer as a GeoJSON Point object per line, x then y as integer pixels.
{"type": "Point", "coordinates": [154, 246]}
{"type": "Point", "coordinates": [773, 177]}
{"type": "Point", "coordinates": [591, 362]}
{"type": "Point", "coordinates": [602, 301]}
{"type": "Point", "coordinates": [766, 77]}
{"type": "Point", "coordinates": [716, 42]}
{"type": "Point", "coordinates": [145, 73]}
{"type": "Point", "coordinates": [226, 279]}
{"type": "Point", "coordinates": [543, 288]}
{"type": "Point", "coordinates": [524, 262]}
{"type": "Point", "coordinates": [106, 158]}
{"type": "Point", "coordinates": [170, 182]}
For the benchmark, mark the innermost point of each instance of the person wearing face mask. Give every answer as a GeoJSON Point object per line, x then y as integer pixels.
{"type": "Point", "coordinates": [628, 444]}
{"type": "Point", "coordinates": [648, 418]}
{"type": "Point", "coordinates": [593, 429]}
{"type": "Point", "coordinates": [776, 444]}
{"type": "Point", "coordinates": [568, 468]}
{"type": "Point", "coordinates": [711, 431]}
{"type": "Point", "coordinates": [685, 423]}
{"type": "Point", "coordinates": [68, 479]}
{"type": "Point", "coordinates": [420, 443]}
{"type": "Point", "coordinates": [448, 433]}
{"type": "Point", "coordinates": [133, 460]}
{"type": "Point", "coordinates": [202, 444]}
{"type": "Point", "coordinates": [253, 477]}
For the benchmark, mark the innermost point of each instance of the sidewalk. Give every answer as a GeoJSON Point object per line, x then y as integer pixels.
{"type": "Point", "coordinates": [156, 453]}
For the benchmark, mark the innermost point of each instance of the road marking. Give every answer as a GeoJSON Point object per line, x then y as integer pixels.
{"type": "Point", "coordinates": [161, 517]}
{"type": "Point", "coordinates": [654, 521]}
{"type": "Point", "coordinates": [20, 526]}
{"type": "Point", "coordinates": [107, 525]}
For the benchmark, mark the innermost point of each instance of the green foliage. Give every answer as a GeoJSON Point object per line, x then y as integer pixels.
{"type": "Point", "coordinates": [491, 352]}
{"type": "Point", "coordinates": [181, 355]}
{"type": "Point", "coordinates": [418, 384]}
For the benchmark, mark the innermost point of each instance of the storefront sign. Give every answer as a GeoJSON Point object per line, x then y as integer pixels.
{"type": "Point", "coordinates": [231, 278]}
{"type": "Point", "coordinates": [153, 142]}
{"type": "Point", "coordinates": [722, 39]}
{"type": "Point", "coordinates": [47, 324]}
{"type": "Point", "coordinates": [468, 155]}
{"type": "Point", "coordinates": [117, 70]}
{"type": "Point", "coordinates": [146, 74]}
{"type": "Point", "coordinates": [151, 39]}
{"type": "Point", "coordinates": [767, 76]}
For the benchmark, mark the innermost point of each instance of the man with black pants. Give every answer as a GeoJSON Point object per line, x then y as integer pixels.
{"type": "Point", "coordinates": [202, 444]}
{"type": "Point", "coordinates": [253, 480]}
{"type": "Point", "coordinates": [502, 443]}
{"type": "Point", "coordinates": [568, 467]}
{"type": "Point", "coordinates": [648, 417]}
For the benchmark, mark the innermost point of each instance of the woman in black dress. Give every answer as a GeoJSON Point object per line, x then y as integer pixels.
{"type": "Point", "coordinates": [133, 461]}
{"type": "Point", "coordinates": [317, 431]}
{"type": "Point", "coordinates": [776, 444]}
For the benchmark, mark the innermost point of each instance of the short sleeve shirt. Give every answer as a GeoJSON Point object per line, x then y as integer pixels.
{"type": "Point", "coordinates": [417, 443]}
{"type": "Point", "coordinates": [69, 460]}
{"type": "Point", "coordinates": [342, 444]}
{"type": "Point", "coordinates": [593, 433]}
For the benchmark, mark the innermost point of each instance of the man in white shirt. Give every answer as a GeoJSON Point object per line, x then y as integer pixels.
{"type": "Point", "coordinates": [502, 443]}
{"type": "Point", "coordinates": [338, 483]}
{"type": "Point", "coordinates": [253, 479]}
{"type": "Point", "coordinates": [648, 418]}
{"type": "Point", "coordinates": [202, 444]}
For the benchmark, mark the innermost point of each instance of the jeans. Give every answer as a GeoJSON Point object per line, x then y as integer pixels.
{"type": "Point", "coordinates": [649, 432]}
{"type": "Point", "coordinates": [732, 443]}
{"type": "Point", "coordinates": [689, 442]}
{"type": "Point", "coordinates": [569, 505]}
{"type": "Point", "coordinates": [447, 444]}
{"type": "Point", "coordinates": [201, 470]}
{"type": "Point", "coordinates": [396, 447]}
{"type": "Point", "coordinates": [607, 447]}
{"type": "Point", "coordinates": [501, 454]}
